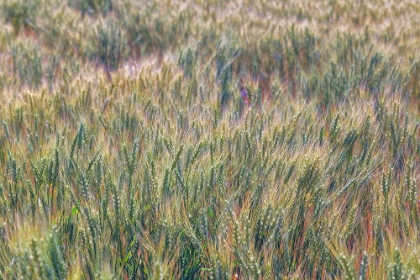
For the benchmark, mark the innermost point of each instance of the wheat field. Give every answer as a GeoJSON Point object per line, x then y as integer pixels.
{"type": "Point", "coordinates": [220, 139]}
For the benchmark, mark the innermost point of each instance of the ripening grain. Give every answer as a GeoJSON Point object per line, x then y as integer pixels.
{"type": "Point", "coordinates": [209, 139]}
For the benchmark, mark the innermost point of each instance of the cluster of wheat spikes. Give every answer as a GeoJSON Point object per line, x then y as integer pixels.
{"type": "Point", "coordinates": [209, 139]}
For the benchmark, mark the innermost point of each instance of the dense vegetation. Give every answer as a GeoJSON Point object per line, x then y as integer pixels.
{"type": "Point", "coordinates": [209, 139]}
